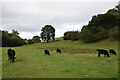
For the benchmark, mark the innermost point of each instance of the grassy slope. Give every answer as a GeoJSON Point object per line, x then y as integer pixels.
{"type": "Point", "coordinates": [32, 63]}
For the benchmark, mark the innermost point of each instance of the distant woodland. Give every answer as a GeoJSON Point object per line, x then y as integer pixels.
{"type": "Point", "coordinates": [100, 27]}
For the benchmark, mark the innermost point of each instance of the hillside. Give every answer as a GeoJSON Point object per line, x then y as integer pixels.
{"type": "Point", "coordinates": [60, 43]}
{"type": "Point", "coordinates": [71, 63]}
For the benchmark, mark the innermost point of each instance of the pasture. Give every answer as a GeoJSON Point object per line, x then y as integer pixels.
{"type": "Point", "coordinates": [71, 63]}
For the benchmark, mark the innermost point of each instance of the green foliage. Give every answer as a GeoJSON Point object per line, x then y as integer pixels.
{"type": "Point", "coordinates": [114, 33]}
{"type": "Point", "coordinates": [36, 39]}
{"type": "Point", "coordinates": [71, 35]}
{"type": "Point", "coordinates": [94, 34]}
{"type": "Point", "coordinates": [11, 39]}
{"type": "Point", "coordinates": [5, 38]}
{"type": "Point", "coordinates": [85, 34]}
{"type": "Point", "coordinates": [67, 35]}
{"type": "Point", "coordinates": [75, 36]}
{"type": "Point", "coordinates": [48, 33]}
{"type": "Point", "coordinates": [15, 32]}
{"type": "Point", "coordinates": [30, 41]}
{"type": "Point", "coordinates": [118, 6]}
{"type": "Point", "coordinates": [102, 26]}
{"type": "Point", "coordinates": [15, 41]}
{"type": "Point", "coordinates": [107, 21]}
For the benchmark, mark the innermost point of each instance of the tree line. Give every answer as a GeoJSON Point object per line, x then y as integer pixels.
{"type": "Point", "coordinates": [100, 27]}
{"type": "Point", "coordinates": [13, 39]}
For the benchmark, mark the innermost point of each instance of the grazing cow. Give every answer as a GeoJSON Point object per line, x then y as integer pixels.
{"type": "Point", "coordinates": [112, 52]}
{"type": "Point", "coordinates": [101, 51]}
{"type": "Point", "coordinates": [11, 55]}
{"type": "Point", "coordinates": [58, 51]}
{"type": "Point", "coordinates": [46, 52]}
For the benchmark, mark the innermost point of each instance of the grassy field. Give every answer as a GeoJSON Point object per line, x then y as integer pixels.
{"type": "Point", "coordinates": [71, 63]}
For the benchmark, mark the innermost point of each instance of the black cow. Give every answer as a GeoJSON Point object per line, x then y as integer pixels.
{"type": "Point", "coordinates": [101, 51]}
{"type": "Point", "coordinates": [46, 52]}
{"type": "Point", "coordinates": [58, 51]}
{"type": "Point", "coordinates": [112, 52]}
{"type": "Point", "coordinates": [11, 55]}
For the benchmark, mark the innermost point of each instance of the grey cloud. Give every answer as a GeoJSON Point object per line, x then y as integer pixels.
{"type": "Point", "coordinates": [31, 17]}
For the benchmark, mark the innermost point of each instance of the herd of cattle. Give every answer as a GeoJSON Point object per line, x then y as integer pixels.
{"type": "Point", "coordinates": [11, 53]}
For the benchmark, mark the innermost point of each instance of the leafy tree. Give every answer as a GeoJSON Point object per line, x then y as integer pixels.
{"type": "Point", "coordinates": [75, 36]}
{"type": "Point", "coordinates": [85, 34]}
{"type": "Point", "coordinates": [15, 32]}
{"type": "Point", "coordinates": [36, 39]}
{"type": "Point", "coordinates": [11, 39]}
{"type": "Point", "coordinates": [15, 41]}
{"type": "Point", "coordinates": [67, 35]}
{"type": "Point", "coordinates": [30, 41]}
{"type": "Point", "coordinates": [114, 33]}
{"type": "Point", "coordinates": [93, 34]}
{"type": "Point", "coordinates": [43, 37]}
{"type": "Point", "coordinates": [48, 33]}
{"type": "Point", "coordinates": [71, 35]}
{"type": "Point", "coordinates": [101, 25]}
{"type": "Point", "coordinates": [118, 6]}
{"type": "Point", "coordinates": [5, 38]}
{"type": "Point", "coordinates": [107, 21]}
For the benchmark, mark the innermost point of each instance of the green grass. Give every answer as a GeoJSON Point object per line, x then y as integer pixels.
{"type": "Point", "coordinates": [71, 63]}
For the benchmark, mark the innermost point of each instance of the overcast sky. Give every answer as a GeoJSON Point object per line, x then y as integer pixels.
{"type": "Point", "coordinates": [29, 17]}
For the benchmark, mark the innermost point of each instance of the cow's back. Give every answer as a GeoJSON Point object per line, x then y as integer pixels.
{"type": "Point", "coordinates": [13, 53]}
{"type": "Point", "coordinates": [9, 52]}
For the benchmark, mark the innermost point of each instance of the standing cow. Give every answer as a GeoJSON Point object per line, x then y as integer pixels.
{"type": "Point", "coordinates": [112, 52]}
{"type": "Point", "coordinates": [46, 52]}
{"type": "Point", "coordinates": [11, 55]}
{"type": "Point", "coordinates": [58, 51]}
{"type": "Point", "coordinates": [101, 51]}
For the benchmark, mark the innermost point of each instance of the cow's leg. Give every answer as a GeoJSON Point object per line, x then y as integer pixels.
{"type": "Point", "coordinates": [108, 55]}
{"type": "Point", "coordinates": [10, 60]}
{"type": "Point", "coordinates": [99, 54]}
{"type": "Point", "coordinates": [13, 58]}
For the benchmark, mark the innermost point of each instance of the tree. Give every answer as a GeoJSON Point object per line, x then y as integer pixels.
{"type": "Point", "coordinates": [36, 39]}
{"type": "Point", "coordinates": [67, 35]}
{"type": "Point", "coordinates": [118, 6]}
{"type": "Point", "coordinates": [5, 38]}
{"type": "Point", "coordinates": [15, 32]}
{"type": "Point", "coordinates": [102, 26]}
{"type": "Point", "coordinates": [30, 41]}
{"type": "Point", "coordinates": [114, 33]}
{"type": "Point", "coordinates": [48, 33]}
{"type": "Point", "coordinates": [71, 35]}
{"type": "Point", "coordinates": [43, 37]}
{"type": "Point", "coordinates": [11, 39]}
{"type": "Point", "coordinates": [86, 34]}
{"type": "Point", "coordinates": [75, 36]}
